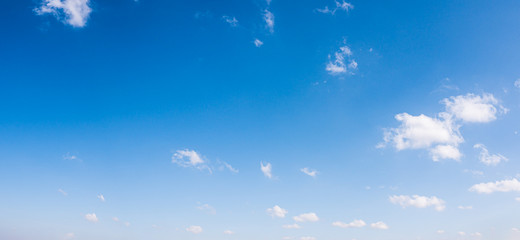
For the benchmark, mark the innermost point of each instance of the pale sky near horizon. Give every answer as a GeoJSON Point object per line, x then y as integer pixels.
{"type": "Point", "coordinates": [255, 119]}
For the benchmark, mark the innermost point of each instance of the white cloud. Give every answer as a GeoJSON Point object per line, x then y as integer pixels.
{"type": "Point", "coordinates": [207, 208]}
{"type": "Point", "coordinates": [307, 238]}
{"type": "Point", "coordinates": [127, 224]}
{"type": "Point", "coordinates": [194, 229]}
{"type": "Point", "coordinates": [473, 108]}
{"type": "Point", "coordinates": [461, 233]}
{"type": "Point", "coordinates": [68, 156]}
{"type": "Point", "coordinates": [476, 234]}
{"type": "Point", "coordinates": [440, 231]}
{"type": "Point", "coordinates": [338, 64]}
{"type": "Point", "coordinates": [418, 201]}
{"type": "Point", "coordinates": [353, 224]}
{"type": "Point", "coordinates": [229, 167]}
{"type": "Point", "coordinates": [465, 207]}
{"type": "Point", "coordinates": [63, 192]}
{"type": "Point", "coordinates": [292, 226]}
{"type": "Point", "coordinates": [189, 158]}
{"type": "Point", "coordinates": [306, 217]}
{"type": "Point", "coordinates": [517, 83]}
{"type": "Point", "coordinates": [74, 12]}
{"type": "Point", "coordinates": [310, 172]}
{"type": "Point", "coordinates": [474, 172]}
{"type": "Point", "coordinates": [69, 236]}
{"type": "Point", "coordinates": [440, 135]}
{"type": "Point", "coordinates": [345, 6]}
{"type": "Point", "coordinates": [229, 232]}
{"type": "Point", "coordinates": [115, 219]}
{"type": "Point", "coordinates": [231, 20]}
{"type": "Point", "coordinates": [379, 225]}
{"type": "Point", "coordinates": [91, 217]}
{"type": "Point", "coordinates": [101, 197]}
{"type": "Point", "coordinates": [515, 229]}
{"type": "Point", "coordinates": [512, 185]}
{"type": "Point", "coordinates": [266, 169]}
{"type": "Point", "coordinates": [269, 20]}
{"type": "Point", "coordinates": [277, 211]}
{"type": "Point", "coordinates": [258, 43]}
{"type": "Point", "coordinates": [517, 199]}
{"type": "Point", "coordinates": [489, 159]}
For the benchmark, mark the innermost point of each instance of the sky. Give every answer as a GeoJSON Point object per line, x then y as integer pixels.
{"type": "Point", "coordinates": [259, 119]}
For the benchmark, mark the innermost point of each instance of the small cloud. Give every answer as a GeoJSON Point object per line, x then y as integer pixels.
{"type": "Point", "coordinates": [277, 211]}
{"type": "Point", "coordinates": [517, 83]}
{"type": "Point", "coordinates": [306, 217]}
{"type": "Point", "coordinates": [70, 157]}
{"type": "Point", "coordinates": [292, 226]}
{"type": "Point", "coordinates": [207, 208]}
{"type": "Point", "coordinates": [229, 167]}
{"type": "Point", "coordinates": [353, 224]}
{"type": "Point", "coordinates": [63, 192]}
{"type": "Point", "coordinates": [461, 233]}
{"type": "Point", "coordinates": [101, 197]}
{"type": "Point", "coordinates": [71, 12]}
{"type": "Point", "coordinates": [440, 231]}
{"type": "Point", "coordinates": [69, 236]}
{"type": "Point", "coordinates": [266, 169]}
{"type": "Point", "coordinates": [341, 62]}
{"type": "Point", "coordinates": [232, 21]}
{"type": "Point", "coordinates": [307, 238]}
{"type": "Point", "coordinates": [418, 201]}
{"type": "Point", "coordinates": [465, 207]}
{"type": "Point", "coordinates": [379, 225]}
{"type": "Point", "coordinates": [344, 6]}
{"type": "Point", "coordinates": [194, 229]}
{"type": "Point", "coordinates": [512, 185]}
{"type": "Point", "coordinates": [269, 20]}
{"type": "Point", "coordinates": [115, 219]}
{"type": "Point", "coordinates": [489, 159]}
{"type": "Point", "coordinates": [310, 172]}
{"type": "Point", "coordinates": [229, 232]}
{"type": "Point", "coordinates": [91, 217]}
{"type": "Point", "coordinates": [190, 158]}
{"type": "Point", "coordinates": [258, 43]}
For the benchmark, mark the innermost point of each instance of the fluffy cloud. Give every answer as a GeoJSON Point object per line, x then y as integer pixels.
{"type": "Point", "coordinates": [489, 159]}
{"type": "Point", "coordinates": [277, 211]}
{"type": "Point", "coordinates": [91, 217]}
{"type": "Point", "coordinates": [418, 201]}
{"type": "Point", "coordinates": [266, 169]}
{"type": "Point", "coordinates": [194, 229]}
{"type": "Point", "coordinates": [231, 20]}
{"type": "Point", "coordinates": [101, 197]}
{"type": "Point", "coordinates": [306, 217]}
{"type": "Point", "coordinates": [292, 226]}
{"type": "Point", "coordinates": [73, 12]}
{"type": "Point", "coordinates": [341, 62]}
{"type": "Point", "coordinates": [440, 135]}
{"type": "Point", "coordinates": [258, 43]}
{"type": "Point", "coordinates": [310, 172]}
{"type": "Point", "coordinates": [379, 225]}
{"type": "Point", "coordinates": [269, 20]}
{"type": "Point", "coordinates": [512, 185]}
{"type": "Point", "coordinates": [344, 6]}
{"type": "Point", "coordinates": [353, 224]}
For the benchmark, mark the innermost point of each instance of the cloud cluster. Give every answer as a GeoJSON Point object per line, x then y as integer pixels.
{"type": "Point", "coordinates": [512, 185]}
{"type": "Point", "coordinates": [341, 62]}
{"type": "Point", "coordinates": [73, 12]}
{"type": "Point", "coordinates": [440, 135]}
{"type": "Point", "coordinates": [418, 201]}
{"type": "Point", "coordinates": [232, 21]}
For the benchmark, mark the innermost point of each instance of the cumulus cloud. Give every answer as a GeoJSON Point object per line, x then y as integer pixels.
{"type": "Point", "coordinates": [379, 225]}
{"type": "Point", "coordinates": [72, 12]}
{"type": "Point", "coordinates": [310, 172]}
{"type": "Point", "coordinates": [91, 217]}
{"type": "Point", "coordinates": [342, 62]}
{"type": "Point", "coordinates": [232, 21]}
{"type": "Point", "coordinates": [489, 159]}
{"type": "Point", "coordinates": [269, 20]}
{"type": "Point", "coordinates": [418, 201]}
{"type": "Point", "coordinates": [258, 43]}
{"type": "Point", "coordinates": [353, 224]}
{"type": "Point", "coordinates": [194, 229]}
{"type": "Point", "coordinates": [101, 197]}
{"type": "Point", "coordinates": [266, 169]}
{"type": "Point", "coordinates": [306, 217]}
{"type": "Point", "coordinates": [440, 135]}
{"type": "Point", "coordinates": [343, 6]}
{"type": "Point", "coordinates": [292, 226]}
{"type": "Point", "coordinates": [277, 211]}
{"type": "Point", "coordinates": [512, 185]}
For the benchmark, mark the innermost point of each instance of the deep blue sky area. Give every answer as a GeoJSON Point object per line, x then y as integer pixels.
{"type": "Point", "coordinates": [257, 119]}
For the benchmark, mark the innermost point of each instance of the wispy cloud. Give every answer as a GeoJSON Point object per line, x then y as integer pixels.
{"type": "Point", "coordinates": [101, 197]}
{"type": "Point", "coordinates": [63, 192]}
{"type": "Point", "coordinates": [207, 208]}
{"type": "Point", "coordinates": [258, 43]}
{"type": "Point", "coordinates": [194, 229]}
{"type": "Point", "coordinates": [487, 158]}
{"type": "Point", "coordinates": [269, 20]}
{"type": "Point", "coordinates": [341, 62]}
{"type": "Point", "coordinates": [190, 159]}
{"type": "Point", "coordinates": [292, 226]}
{"type": "Point", "coordinates": [342, 6]}
{"type": "Point", "coordinates": [72, 12]}
{"type": "Point", "coordinates": [310, 172]}
{"type": "Point", "coordinates": [353, 224]}
{"type": "Point", "coordinates": [232, 21]}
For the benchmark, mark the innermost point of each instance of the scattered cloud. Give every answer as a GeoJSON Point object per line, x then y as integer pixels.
{"type": "Point", "coordinates": [207, 208]}
{"type": "Point", "coordinates": [310, 172]}
{"type": "Point", "coordinates": [269, 20]}
{"type": "Point", "coordinates": [91, 217]}
{"type": "Point", "coordinates": [474, 172]}
{"type": "Point", "coordinates": [127, 224]}
{"type": "Point", "coordinates": [379, 225]}
{"type": "Point", "coordinates": [517, 83]}
{"type": "Point", "coordinates": [190, 158]}
{"type": "Point", "coordinates": [440, 231]}
{"type": "Point", "coordinates": [342, 6]}
{"type": "Point", "coordinates": [115, 219]}
{"type": "Point", "coordinates": [229, 232]}
{"type": "Point", "coordinates": [63, 192]}
{"type": "Point", "coordinates": [292, 226]}
{"type": "Point", "coordinates": [72, 12]}
{"type": "Point", "coordinates": [266, 169]}
{"type": "Point", "coordinates": [515, 230]}
{"type": "Point", "coordinates": [233, 22]}
{"type": "Point", "coordinates": [418, 201]}
{"type": "Point", "coordinates": [277, 211]}
{"type": "Point", "coordinates": [512, 185]}
{"type": "Point", "coordinates": [440, 135]}
{"type": "Point", "coordinates": [342, 62]}
{"type": "Point", "coordinates": [258, 43]}
{"type": "Point", "coordinates": [307, 238]}
{"type": "Point", "coordinates": [517, 199]}
{"type": "Point", "coordinates": [70, 157]}
{"type": "Point", "coordinates": [306, 217]}
{"type": "Point", "coordinates": [101, 197]}
{"type": "Point", "coordinates": [229, 167]}
{"type": "Point", "coordinates": [465, 207]}
{"type": "Point", "coordinates": [353, 224]}
{"type": "Point", "coordinates": [489, 159]}
{"type": "Point", "coordinates": [69, 236]}
{"type": "Point", "coordinates": [194, 229]}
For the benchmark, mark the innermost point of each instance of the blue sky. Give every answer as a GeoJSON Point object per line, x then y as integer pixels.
{"type": "Point", "coordinates": [254, 119]}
